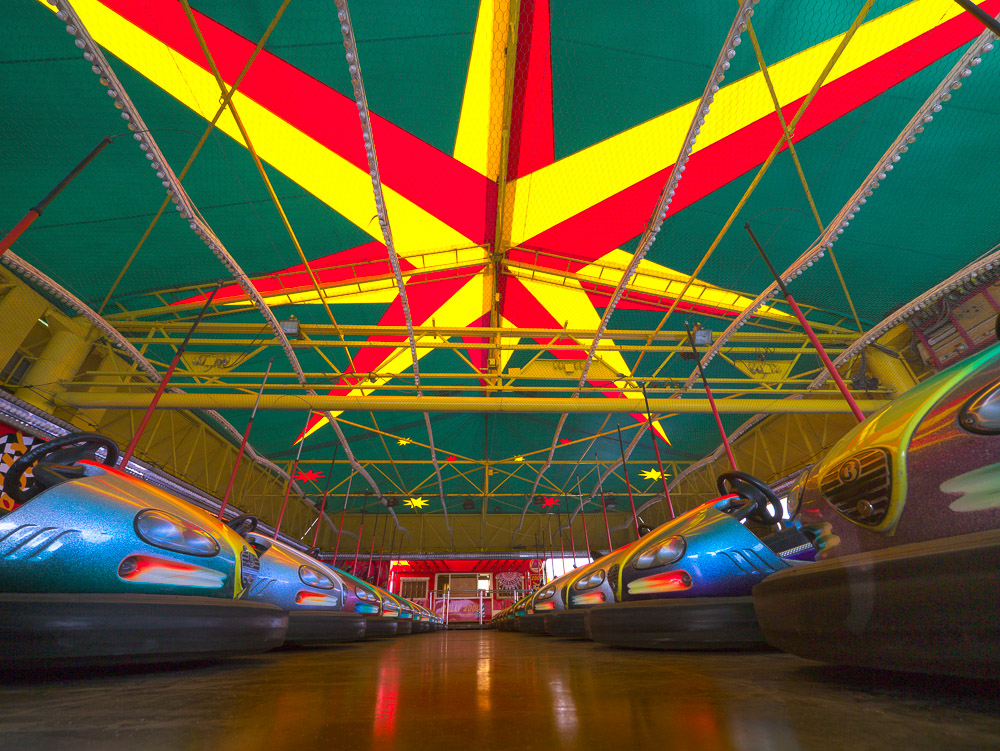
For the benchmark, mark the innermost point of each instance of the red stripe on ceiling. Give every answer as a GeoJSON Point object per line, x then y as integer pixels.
{"type": "Point", "coordinates": [360, 263]}
{"type": "Point", "coordinates": [456, 195]}
{"type": "Point", "coordinates": [613, 222]}
{"type": "Point", "coordinates": [531, 141]}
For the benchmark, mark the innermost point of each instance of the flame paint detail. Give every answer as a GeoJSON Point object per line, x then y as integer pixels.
{"type": "Point", "coordinates": [668, 581]}
{"type": "Point", "coordinates": [145, 569]}
{"type": "Point", "coordinates": [590, 598]}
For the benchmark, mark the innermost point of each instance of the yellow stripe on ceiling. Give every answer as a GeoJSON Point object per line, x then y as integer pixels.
{"type": "Point", "coordinates": [577, 182]}
{"type": "Point", "coordinates": [332, 179]}
{"type": "Point", "coordinates": [478, 142]}
{"type": "Point", "coordinates": [660, 279]}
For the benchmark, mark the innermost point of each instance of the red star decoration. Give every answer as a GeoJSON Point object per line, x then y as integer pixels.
{"type": "Point", "coordinates": [549, 502]}
{"type": "Point", "coordinates": [564, 440]}
{"type": "Point", "coordinates": [449, 458]}
{"type": "Point", "coordinates": [309, 475]}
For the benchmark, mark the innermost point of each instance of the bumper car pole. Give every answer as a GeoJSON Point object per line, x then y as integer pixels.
{"type": "Point", "coordinates": [711, 401]}
{"type": "Point", "coordinates": [291, 477]}
{"type": "Point", "coordinates": [326, 493]}
{"type": "Point", "coordinates": [371, 553]}
{"type": "Point", "coordinates": [562, 545]}
{"type": "Point", "coordinates": [604, 506]}
{"type": "Point", "coordinates": [834, 374]}
{"type": "Point", "coordinates": [11, 237]}
{"type": "Point", "coordinates": [357, 548]}
{"type": "Point", "coordinates": [631, 500]}
{"type": "Point", "coordinates": [583, 516]}
{"type": "Point", "coordinates": [165, 380]}
{"type": "Point", "coordinates": [343, 513]}
{"type": "Point", "coordinates": [659, 461]}
{"type": "Point", "coordinates": [243, 443]}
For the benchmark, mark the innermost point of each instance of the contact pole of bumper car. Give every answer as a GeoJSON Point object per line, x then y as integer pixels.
{"type": "Point", "coordinates": [357, 549]}
{"type": "Point", "coordinates": [326, 492]}
{"type": "Point", "coordinates": [583, 517]}
{"type": "Point", "coordinates": [243, 446]}
{"type": "Point", "coordinates": [381, 550]}
{"type": "Point", "coordinates": [604, 506]}
{"type": "Point", "coordinates": [165, 380]}
{"type": "Point", "coordinates": [562, 545]}
{"type": "Point", "coordinates": [347, 497]}
{"type": "Point", "coordinates": [291, 477]}
{"type": "Point", "coordinates": [392, 548]}
{"type": "Point", "coordinates": [572, 542]}
{"type": "Point", "coordinates": [711, 401]}
{"type": "Point", "coordinates": [631, 500]}
{"type": "Point", "coordinates": [834, 374]}
{"type": "Point", "coordinates": [548, 526]}
{"type": "Point", "coordinates": [656, 448]}
{"type": "Point", "coordinates": [11, 237]}
{"type": "Point", "coordinates": [371, 553]}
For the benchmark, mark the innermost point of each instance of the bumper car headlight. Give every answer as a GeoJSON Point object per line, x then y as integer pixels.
{"type": "Point", "coordinates": [592, 580]}
{"type": "Point", "coordinates": [546, 593]}
{"type": "Point", "coordinates": [314, 578]}
{"type": "Point", "coordinates": [165, 531]}
{"type": "Point", "coordinates": [669, 551]}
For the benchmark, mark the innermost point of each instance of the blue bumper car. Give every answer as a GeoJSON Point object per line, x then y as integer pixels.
{"type": "Point", "coordinates": [97, 566]}
{"type": "Point", "coordinates": [311, 592]}
{"type": "Point", "coordinates": [687, 584]}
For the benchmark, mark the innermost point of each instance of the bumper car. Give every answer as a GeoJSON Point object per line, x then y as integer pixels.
{"type": "Point", "coordinates": [403, 611]}
{"type": "Point", "coordinates": [310, 591]}
{"type": "Point", "coordinates": [366, 599]}
{"type": "Point", "coordinates": [97, 567]}
{"type": "Point", "coordinates": [908, 508]}
{"type": "Point", "coordinates": [518, 610]}
{"type": "Point", "coordinates": [550, 602]}
{"type": "Point", "coordinates": [687, 584]}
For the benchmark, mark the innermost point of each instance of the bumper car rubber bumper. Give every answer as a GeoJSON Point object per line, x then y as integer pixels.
{"type": "Point", "coordinates": [324, 627]}
{"type": "Point", "coordinates": [928, 607]}
{"type": "Point", "coordinates": [41, 630]}
{"type": "Point", "coordinates": [681, 624]}
{"type": "Point", "coordinates": [379, 627]}
{"type": "Point", "coordinates": [567, 623]}
{"type": "Point", "coordinates": [532, 624]}
{"type": "Point", "coordinates": [404, 626]}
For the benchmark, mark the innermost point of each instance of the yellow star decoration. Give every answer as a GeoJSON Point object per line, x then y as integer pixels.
{"type": "Point", "coordinates": [404, 441]}
{"type": "Point", "coordinates": [415, 502]}
{"type": "Point", "coordinates": [518, 458]}
{"type": "Point", "coordinates": [652, 474]}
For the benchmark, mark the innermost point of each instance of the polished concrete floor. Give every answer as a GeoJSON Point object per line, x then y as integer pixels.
{"type": "Point", "coordinates": [490, 690]}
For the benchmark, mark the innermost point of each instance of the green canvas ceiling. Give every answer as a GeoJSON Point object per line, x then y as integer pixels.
{"type": "Point", "coordinates": [597, 90]}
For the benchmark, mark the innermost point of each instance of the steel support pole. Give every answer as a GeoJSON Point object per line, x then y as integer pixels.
{"type": "Point", "coordinates": [165, 380]}
{"type": "Point", "coordinates": [243, 446]}
{"type": "Point", "coordinates": [817, 345]}
{"type": "Point", "coordinates": [711, 400]}
{"type": "Point", "coordinates": [371, 553]}
{"type": "Point", "coordinates": [656, 448]}
{"type": "Point", "coordinates": [11, 237]}
{"type": "Point", "coordinates": [562, 545]}
{"type": "Point", "coordinates": [631, 500]}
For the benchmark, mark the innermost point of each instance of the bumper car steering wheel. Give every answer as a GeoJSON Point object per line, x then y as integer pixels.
{"type": "Point", "coordinates": [64, 453]}
{"type": "Point", "coordinates": [762, 506]}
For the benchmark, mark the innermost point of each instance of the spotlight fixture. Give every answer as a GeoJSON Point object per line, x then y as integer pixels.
{"type": "Point", "coordinates": [610, 502]}
{"type": "Point", "coordinates": [391, 502]}
{"type": "Point", "coordinates": [290, 327]}
{"type": "Point", "coordinates": [468, 504]}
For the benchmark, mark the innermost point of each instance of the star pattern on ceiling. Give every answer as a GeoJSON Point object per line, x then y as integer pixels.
{"type": "Point", "coordinates": [549, 502]}
{"type": "Point", "coordinates": [416, 503]}
{"type": "Point", "coordinates": [309, 475]}
{"type": "Point", "coordinates": [404, 442]}
{"type": "Point", "coordinates": [652, 474]}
